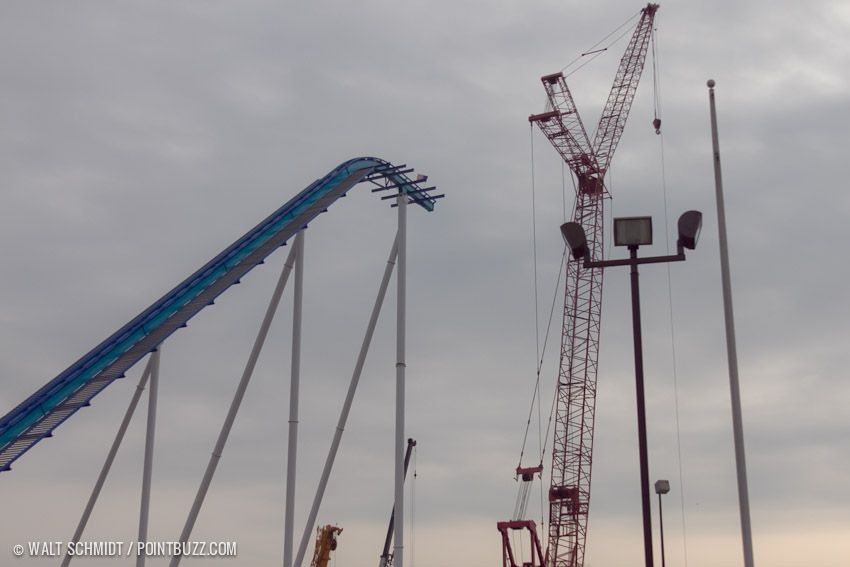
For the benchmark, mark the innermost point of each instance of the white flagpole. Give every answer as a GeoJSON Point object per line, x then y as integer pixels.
{"type": "Point", "coordinates": [732, 354]}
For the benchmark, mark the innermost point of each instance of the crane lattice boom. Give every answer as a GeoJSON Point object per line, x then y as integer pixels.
{"type": "Point", "coordinates": [569, 493]}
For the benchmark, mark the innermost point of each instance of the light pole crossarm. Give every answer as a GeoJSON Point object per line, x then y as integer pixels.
{"type": "Point", "coordinates": [634, 261]}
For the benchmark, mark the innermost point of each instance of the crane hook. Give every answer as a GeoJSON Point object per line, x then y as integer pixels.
{"type": "Point", "coordinates": [657, 125]}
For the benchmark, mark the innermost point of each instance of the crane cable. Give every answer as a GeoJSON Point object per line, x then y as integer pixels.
{"type": "Point", "coordinates": [522, 495]}
{"type": "Point", "coordinates": [536, 301]}
{"type": "Point", "coordinates": [656, 82]}
{"type": "Point", "coordinates": [597, 52]}
{"type": "Point", "coordinates": [561, 270]}
{"type": "Point", "coordinates": [539, 360]}
{"type": "Point", "coordinates": [541, 353]}
{"type": "Point", "coordinates": [594, 52]}
{"type": "Point", "coordinates": [557, 286]}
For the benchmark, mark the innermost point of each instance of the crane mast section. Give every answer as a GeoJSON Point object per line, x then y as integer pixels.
{"type": "Point", "coordinates": [569, 494]}
{"type": "Point", "coordinates": [616, 111]}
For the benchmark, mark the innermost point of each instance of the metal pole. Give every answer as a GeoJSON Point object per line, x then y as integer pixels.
{"type": "Point", "coordinates": [234, 405]}
{"type": "Point", "coordinates": [731, 349]}
{"type": "Point", "coordinates": [110, 457]}
{"type": "Point", "coordinates": [295, 378]}
{"type": "Point", "coordinates": [398, 552]}
{"type": "Point", "coordinates": [661, 526]}
{"type": "Point", "coordinates": [641, 411]}
{"type": "Point", "coordinates": [148, 463]}
{"type": "Point", "coordinates": [411, 443]}
{"type": "Point", "coordinates": [346, 407]}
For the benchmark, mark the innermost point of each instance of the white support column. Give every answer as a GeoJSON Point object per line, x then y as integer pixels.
{"type": "Point", "coordinates": [150, 434]}
{"type": "Point", "coordinates": [234, 405]}
{"type": "Point", "coordinates": [401, 279]}
{"type": "Point", "coordinates": [110, 458]}
{"type": "Point", "coordinates": [292, 445]}
{"type": "Point", "coordinates": [346, 407]}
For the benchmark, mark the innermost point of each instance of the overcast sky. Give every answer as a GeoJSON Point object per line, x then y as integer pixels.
{"type": "Point", "coordinates": [138, 139]}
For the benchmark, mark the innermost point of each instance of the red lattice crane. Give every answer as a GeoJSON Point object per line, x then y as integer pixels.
{"type": "Point", "coordinates": [575, 404]}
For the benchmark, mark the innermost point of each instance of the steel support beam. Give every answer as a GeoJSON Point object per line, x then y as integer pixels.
{"type": "Point", "coordinates": [401, 279]}
{"type": "Point", "coordinates": [234, 405]}
{"type": "Point", "coordinates": [294, 385]}
{"type": "Point", "coordinates": [346, 406]}
{"type": "Point", "coordinates": [110, 458]}
{"type": "Point", "coordinates": [150, 434]}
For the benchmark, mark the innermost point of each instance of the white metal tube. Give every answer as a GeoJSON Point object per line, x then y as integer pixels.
{"type": "Point", "coordinates": [346, 406]}
{"type": "Point", "coordinates": [110, 458]}
{"type": "Point", "coordinates": [731, 348]}
{"type": "Point", "coordinates": [295, 378]}
{"type": "Point", "coordinates": [401, 279]}
{"type": "Point", "coordinates": [150, 434]}
{"type": "Point", "coordinates": [234, 405]}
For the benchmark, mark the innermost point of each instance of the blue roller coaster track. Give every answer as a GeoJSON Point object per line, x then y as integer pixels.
{"type": "Point", "coordinates": [41, 413]}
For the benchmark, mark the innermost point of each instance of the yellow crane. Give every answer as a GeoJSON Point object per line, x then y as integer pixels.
{"type": "Point", "coordinates": [325, 543]}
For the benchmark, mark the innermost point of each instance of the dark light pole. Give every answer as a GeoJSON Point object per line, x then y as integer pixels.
{"type": "Point", "coordinates": [661, 487]}
{"type": "Point", "coordinates": [633, 232]}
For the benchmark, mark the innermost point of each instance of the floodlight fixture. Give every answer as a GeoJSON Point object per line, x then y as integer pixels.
{"type": "Point", "coordinates": [632, 231]}
{"type": "Point", "coordinates": [690, 224]}
{"type": "Point", "coordinates": [575, 238]}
